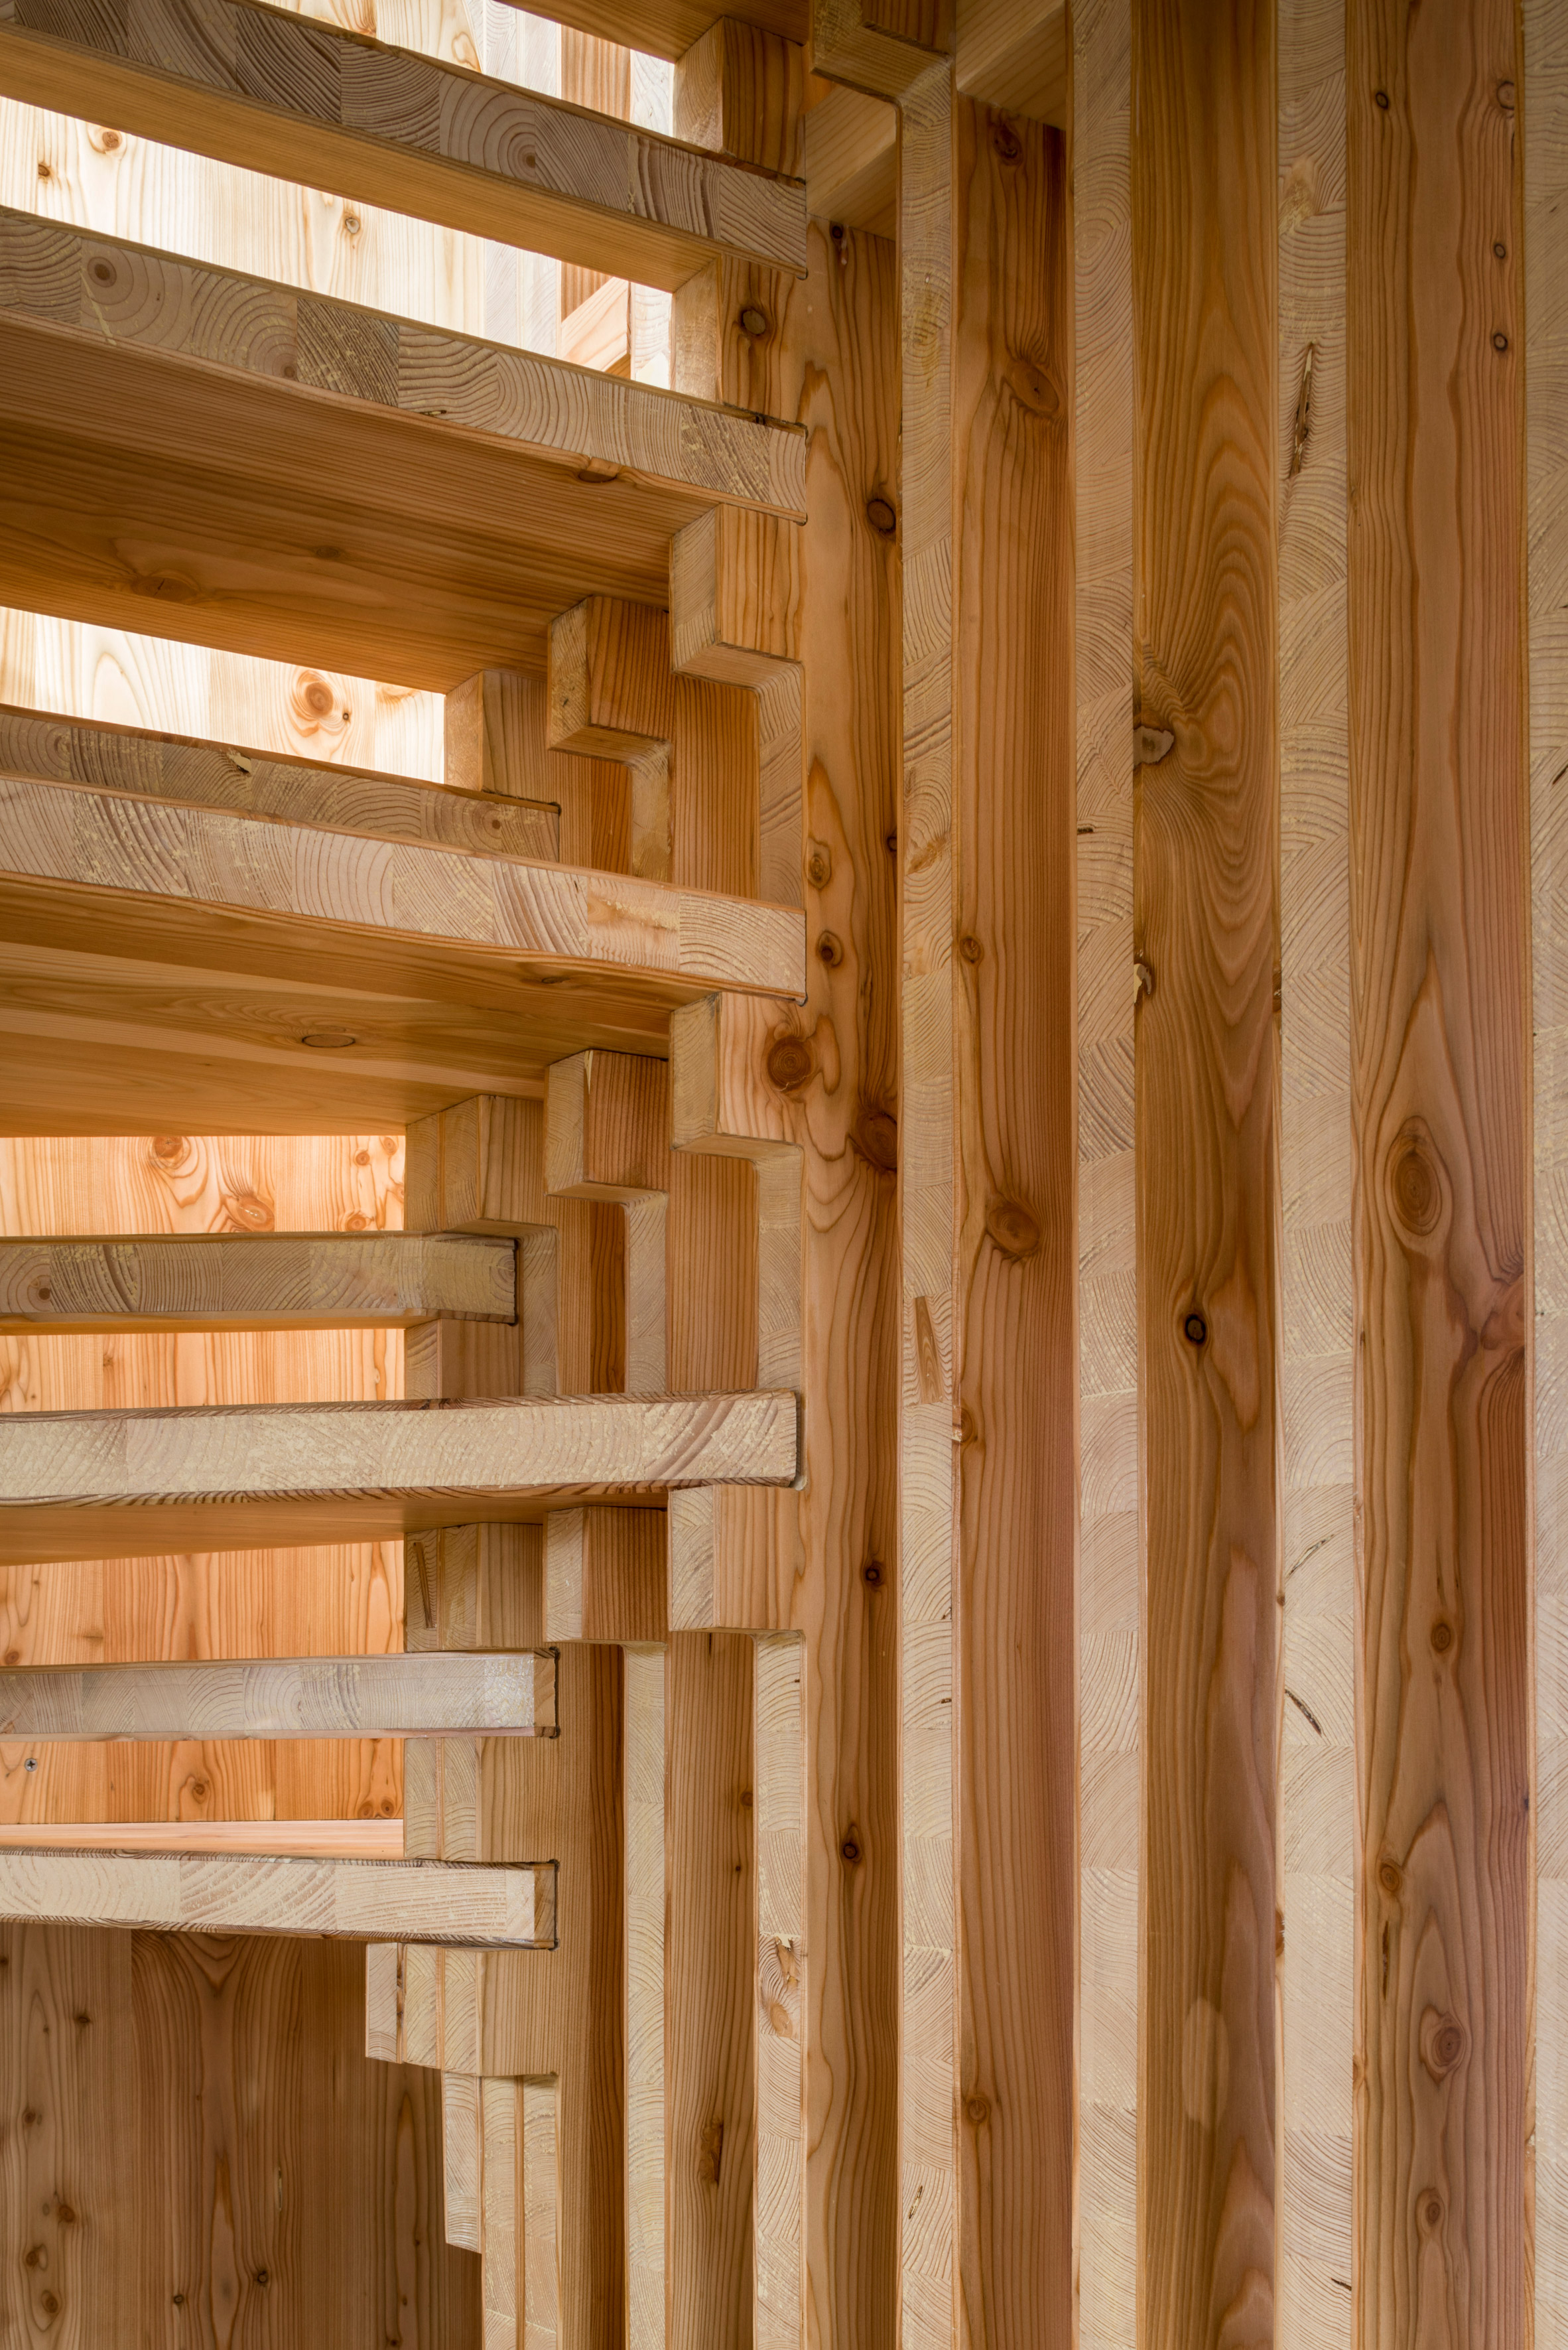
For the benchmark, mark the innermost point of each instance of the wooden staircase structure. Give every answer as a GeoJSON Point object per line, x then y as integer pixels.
{"type": "Point", "coordinates": [778, 1487]}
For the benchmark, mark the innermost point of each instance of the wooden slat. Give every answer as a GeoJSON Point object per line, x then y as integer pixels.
{"type": "Point", "coordinates": [281, 1281]}
{"type": "Point", "coordinates": [132, 298]}
{"type": "Point", "coordinates": [739, 91]}
{"type": "Point", "coordinates": [416, 1901]}
{"type": "Point", "coordinates": [928, 1403]}
{"type": "Point", "coordinates": [377, 1839]}
{"type": "Point", "coordinates": [1110, 1556]}
{"type": "Point", "coordinates": [880, 45]}
{"type": "Point", "coordinates": [328, 797]}
{"type": "Point", "coordinates": [1545, 29]}
{"type": "Point", "coordinates": [102, 854]}
{"type": "Point", "coordinates": [606, 1127]}
{"type": "Point", "coordinates": [667, 29]}
{"type": "Point", "coordinates": [1441, 1046]}
{"type": "Point", "coordinates": [642, 1786]}
{"type": "Point", "coordinates": [1206, 914]}
{"type": "Point", "coordinates": [325, 1697]}
{"type": "Point", "coordinates": [462, 2159]}
{"type": "Point", "coordinates": [251, 86]}
{"type": "Point", "coordinates": [1317, 1764]}
{"type": "Point", "coordinates": [605, 1576]}
{"type": "Point", "coordinates": [97, 1484]}
{"type": "Point", "coordinates": [1012, 1729]}
{"type": "Point", "coordinates": [778, 2233]}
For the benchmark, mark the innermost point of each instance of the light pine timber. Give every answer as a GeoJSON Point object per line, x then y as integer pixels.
{"type": "Point", "coordinates": [462, 2159]}
{"type": "Point", "coordinates": [1110, 1556]}
{"type": "Point", "coordinates": [374, 1839]}
{"type": "Point", "coordinates": [880, 45]}
{"type": "Point", "coordinates": [1440, 1002]}
{"type": "Point", "coordinates": [669, 28]}
{"type": "Point", "coordinates": [98, 856]}
{"type": "Point", "coordinates": [1014, 1083]}
{"type": "Point", "coordinates": [306, 100]}
{"type": "Point", "coordinates": [419, 1901]}
{"type": "Point", "coordinates": [85, 1484]}
{"type": "Point", "coordinates": [1014, 54]}
{"type": "Point", "coordinates": [606, 1127]}
{"type": "Point", "coordinates": [323, 1697]}
{"type": "Point", "coordinates": [739, 91]}
{"type": "Point", "coordinates": [852, 159]}
{"type": "Point", "coordinates": [131, 296]}
{"type": "Point", "coordinates": [929, 1402]}
{"type": "Point", "coordinates": [1318, 1813]}
{"type": "Point", "coordinates": [605, 1576]}
{"type": "Point", "coordinates": [645, 1929]}
{"type": "Point", "coordinates": [325, 795]}
{"type": "Point", "coordinates": [1206, 928]}
{"type": "Point", "coordinates": [1546, 383]}
{"type": "Point", "coordinates": [275, 1280]}
{"type": "Point", "coordinates": [495, 741]}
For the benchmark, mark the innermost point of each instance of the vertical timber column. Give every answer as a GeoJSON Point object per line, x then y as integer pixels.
{"type": "Point", "coordinates": [1546, 386]}
{"type": "Point", "coordinates": [927, 1403]}
{"type": "Point", "coordinates": [1110, 1557]}
{"type": "Point", "coordinates": [1439, 983]}
{"type": "Point", "coordinates": [1318, 1760]}
{"type": "Point", "coordinates": [1012, 985]}
{"type": "Point", "coordinates": [1205, 915]}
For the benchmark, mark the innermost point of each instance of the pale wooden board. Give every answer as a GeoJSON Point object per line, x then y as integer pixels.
{"type": "Point", "coordinates": [1109, 1700]}
{"type": "Point", "coordinates": [309, 1839]}
{"type": "Point", "coordinates": [218, 320]}
{"type": "Point", "coordinates": [326, 106]}
{"type": "Point", "coordinates": [331, 797]}
{"type": "Point", "coordinates": [275, 1280]}
{"type": "Point", "coordinates": [1318, 1810]}
{"type": "Point", "coordinates": [1546, 458]}
{"type": "Point", "coordinates": [414, 1902]}
{"type": "Point", "coordinates": [929, 2055]}
{"type": "Point", "coordinates": [83, 1484]}
{"type": "Point", "coordinates": [1439, 910]}
{"type": "Point", "coordinates": [643, 1779]}
{"type": "Point", "coordinates": [778, 2222]}
{"type": "Point", "coordinates": [321, 1697]}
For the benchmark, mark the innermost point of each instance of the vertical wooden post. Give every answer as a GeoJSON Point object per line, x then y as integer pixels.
{"type": "Point", "coordinates": [1440, 1006]}
{"type": "Point", "coordinates": [1110, 1553]}
{"type": "Point", "coordinates": [1206, 920]}
{"type": "Point", "coordinates": [1545, 86]}
{"type": "Point", "coordinates": [1317, 1761]}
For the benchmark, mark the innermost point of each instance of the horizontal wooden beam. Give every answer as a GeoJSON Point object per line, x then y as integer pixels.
{"type": "Point", "coordinates": [113, 1485]}
{"type": "Point", "coordinates": [219, 323]}
{"type": "Point", "coordinates": [204, 1893]}
{"type": "Point", "coordinates": [308, 101]}
{"type": "Point", "coordinates": [191, 772]}
{"type": "Point", "coordinates": [375, 1839]}
{"type": "Point", "coordinates": [255, 1281]}
{"type": "Point", "coordinates": [241, 892]}
{"type": "Point", "coordinates": [667, 29]}
{"type": "Point", "coordinates": [421, 1696]}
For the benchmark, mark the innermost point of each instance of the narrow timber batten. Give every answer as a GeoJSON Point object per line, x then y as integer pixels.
{"type": "Point", "coordinates": [191, 772]}
{"type": "Point", "coordinates": [116, 1483]}
{"type": "Point", "coordinates": [255, 1281]}
{"type": "Point", "coordinates": [252, 86]}
{"type": "Point", "coordinates": [454, 1906]}
{"type": "Point", "coordinates": [431, 1695]}
{"type": "Point", "coordinates": [215, 322]}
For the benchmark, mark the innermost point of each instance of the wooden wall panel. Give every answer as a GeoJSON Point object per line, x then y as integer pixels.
{"type": "Point", "coordinates": [1545, 83]}
{"type": "Point", "coordinates": [1110, 1561]}
{"type": "Point", "coordinates": [1438, 863]}
{"type": "Point", "coordinates": [344, 1599]}
{"type": "Point", "coordinates": [1012, 985]}
{"type": "Point", "coordinates": [1317, 1762]}
{"type": "Point", "coordinates": [1205, 917]}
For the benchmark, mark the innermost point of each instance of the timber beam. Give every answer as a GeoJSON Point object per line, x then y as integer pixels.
{"type": "Point", "coordinates": [114, 1484]}
{"type": "Point", "coordinates": [254, 1281]}
{"type": "Point", "coordinates": [253, 85]}
{"type": "Point", "coordinates": [419, 1901]}
{"type": "Point", "coordinates": [296, 1697]}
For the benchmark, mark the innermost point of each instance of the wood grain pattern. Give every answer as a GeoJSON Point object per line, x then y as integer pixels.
{"type": "Point", "coordinates": [1110, 1551]}
{"type": "Point", "coordinates": [380, 1839]}
{"type": "Point", "coordinates": [1317, 1764]}
{"type": "Point", "coordinates": [1545, 51]}
{"type": "Point", "coordinates": [611, 692]}
{"type": "Point", "coordinates": [669, 28]}
{"type": "Point", "coordinates": [606, 1127]}
{"type": "Point", "coordinates": [326, 105]}
{"type": "Point", "coordinates": [1206, 928]}
{"type": "Point", "coordinates": [710, 2010]}
{"type": "Point", "coordinates": [642, 1794]}
{"type": "Point", "coordinates": [84, 1485]}
{"type": "Point", "coordinates": [327, 1697]}
{"type": "Point", "coordinates": [880, 45]}
{"type": "Point", "coordinates": [604, 1575]}
{"type": "Point", "coordinates": [327, 797]}
{"type": "Point", "coordinates": [273, 1281]}
{"type": "Point", "coordinates": [215, 318]}
{"type": "Point", "coordinates": [782, 1960]}
{"type": "Point", "coordinates": [1014, 1339]}
{"type": "Point", "coordinates": [929, 1402]}
{"type": "Point", "coordinates": [1438, 801]}
{"type": "Point", "coordinates": [103, 852]}
{"type": "Point", "coordinates": [411, 1901]}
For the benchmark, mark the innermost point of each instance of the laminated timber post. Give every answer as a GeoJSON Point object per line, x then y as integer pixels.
{"type": "Point", "coordinates": [1440, 1061]}
{"type": "Point", "coordinates": [821, 1078]}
